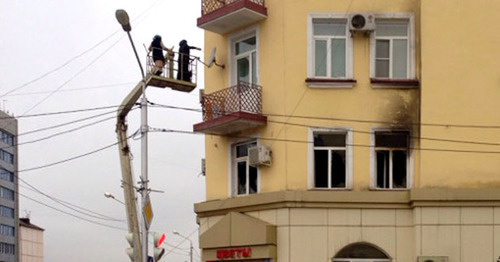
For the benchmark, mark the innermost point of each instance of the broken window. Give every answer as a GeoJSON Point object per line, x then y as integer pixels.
{"type": "Point", "coordinates": [392, 157]}
{"type": "Point", "coordinates": [330, 151]}
{"type": "Point", "coordinates": [244, 176]}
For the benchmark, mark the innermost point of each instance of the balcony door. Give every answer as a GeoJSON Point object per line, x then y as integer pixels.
{"type": "Point", "coordinates": [245, 60]}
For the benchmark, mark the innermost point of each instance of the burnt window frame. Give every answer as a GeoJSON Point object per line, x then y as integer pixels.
{"type": "Point", "coordinates": [347, 131]}
{"type": "Point", "coordinates": [391, 149]}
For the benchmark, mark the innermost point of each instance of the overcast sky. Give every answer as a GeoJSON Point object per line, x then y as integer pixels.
{"type": "Point", "coordinates": [61, 56]}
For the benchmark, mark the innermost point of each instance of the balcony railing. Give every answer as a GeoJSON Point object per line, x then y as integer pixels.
{"type": "Point", "coordinates": [232, 109]}
{"type": "Point", "coordinates": [222, 16]}
{"type": "Point", "coordinates": [176, 73]}
{"type": "Point", "coordinates": [208, 6]}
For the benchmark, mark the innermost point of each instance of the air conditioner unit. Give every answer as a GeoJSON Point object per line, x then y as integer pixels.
{"type": "Point", "coordinates": [259, 155]}
{"type": "Point", "coordinates": [362, 22]}
{"type": "Point", "coordinates": [432, 259]}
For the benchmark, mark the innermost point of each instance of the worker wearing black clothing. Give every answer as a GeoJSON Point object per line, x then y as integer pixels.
{"type": "Point", "coordinates": [183, 72]}
{"type": "Point", "coordinates": [157, 48]}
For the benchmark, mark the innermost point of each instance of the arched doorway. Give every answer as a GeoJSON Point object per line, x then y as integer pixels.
{"type": "Point", "coordinates": [361, 252]}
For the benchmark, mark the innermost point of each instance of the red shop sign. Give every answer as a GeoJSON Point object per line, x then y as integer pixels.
{"type": "Point", "coordinates": [234, 253]}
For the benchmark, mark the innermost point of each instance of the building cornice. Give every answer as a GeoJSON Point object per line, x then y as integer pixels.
{"type": "Point", "coordinates": [351, 199]}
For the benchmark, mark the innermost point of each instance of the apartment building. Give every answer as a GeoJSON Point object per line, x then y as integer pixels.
{"type": "Point", "coordinates": [9, 202]}
{"type": "Point", "coordinates": [30, 241]}
{"type": "Point", "coordinates": [351, 130]}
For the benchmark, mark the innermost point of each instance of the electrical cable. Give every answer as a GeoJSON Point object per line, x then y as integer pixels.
{"type": "Point", "coordinates": [69, 205]}
{"type": "Point", "coordinates": [77, 56]}
{"type": "Point", "coordinates": [73, 215]}
{"type": "Point", "coordinates": [311, 142]}
{"type": "Point", "coordinates": [355, 131]}
{"type": "Point", "coordinates": [447, 125]}
{"type": "Point", "coordinates": [60, 133]}
{"type": "Point", "coordinates": [72, 89]}
{"type": "Point", "coordinates": [68, 159]}
{"type": "Point", "coordinates": [69, 123]}
{"type": "Point", "coordinates": [60, 112]}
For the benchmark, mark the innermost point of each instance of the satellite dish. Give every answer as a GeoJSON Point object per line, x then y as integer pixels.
{"type": "Point", "coordinates": [212, 60]}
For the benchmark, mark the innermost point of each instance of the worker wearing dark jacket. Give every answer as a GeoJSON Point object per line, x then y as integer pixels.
{"type": "Point", "coordinates": [183, 72]}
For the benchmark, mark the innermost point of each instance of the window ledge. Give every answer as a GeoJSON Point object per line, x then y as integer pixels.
{"type": "Point", "coordinates": [394, 83]}
{"type": "Point", "coordinates": [330, 189]}
{"type": "Point", "coordinates": [330, 83]}
{"type": "Point", "coordinates": [390, 189]}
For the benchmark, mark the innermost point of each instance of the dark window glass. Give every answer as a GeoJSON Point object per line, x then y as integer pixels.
{"type": "Point", "coordinates": [329, 140]}
{"type": "Point", "coordinates": [253, 180]}
{"type": "Point", "coordinates": [321, 168]}
{"type": "Point", "coordinates": [383, 169]}
{"type": "Point", "coordinates": [391, 139]}
{"type": "Point", "coordinates": [242, 178]}
{"type": "Point", "coordinates": [399, 169]}
{"type": "Point", "coordinates": [338, 169]}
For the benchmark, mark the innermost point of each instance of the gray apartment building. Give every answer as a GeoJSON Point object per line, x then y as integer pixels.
{"type": "Point", "coordinates": [9, 203]}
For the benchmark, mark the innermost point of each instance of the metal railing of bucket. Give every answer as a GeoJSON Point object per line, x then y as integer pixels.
{"type": "Point", "coordinates": [208, 6]}
{"type": "Point", "coordinates": [176, 66]}
{"type": "Point", "coordinates": [243, 97]}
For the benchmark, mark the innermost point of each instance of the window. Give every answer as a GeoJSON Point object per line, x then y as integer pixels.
{"type": "Point", "coordinates": [6, 156]}
{"type": "Point", "coordinates": [6, 230]}
{"type": "Point", "coordinates": [392, 158]}
{"type": "Point", "coordinates": [332, 160]}
{"type": "Point", "coordinates": [330, 39]}
{"type": "Point", "coordinates": [7, 138]}
{"type": "Point", "coordinates": [6, 193]}
{"type": "Point", "coordinates": [6, 211]}
{"type": "Point", "coordinates": [393, 54]}
{"type": "Point", "coordinates": [245, 59]}
{"type": "Point", "coordinates": [6, 248]}
{"type": "Point", "coordinates": [245, 177]}
{"type": "Point", "coordinates": [6, 175]}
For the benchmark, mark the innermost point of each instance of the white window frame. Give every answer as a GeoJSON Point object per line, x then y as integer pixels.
{"type": "Point", "coordinates": [349, 156]}
{"type": "Point", "coordinates": [233, 171]}
{"type": "Point", "coordinates": [311, 49]}
{"type": "Point", "coordinates": [411, 44]}
{"type": "Point", "coordinates": [373, 159]}
{"type": "Point", "coordinates": [235, 38]}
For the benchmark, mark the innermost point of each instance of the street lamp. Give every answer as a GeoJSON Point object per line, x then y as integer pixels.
{"type": "Point", "coordinates": [190, 245]}
{"type": "Point", "coordinates": [123, 19]}
{"type": "Point", "coordinates": [109, 195]}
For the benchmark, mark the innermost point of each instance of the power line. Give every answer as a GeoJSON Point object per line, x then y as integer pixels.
{"type": "Point", "coordinates": [59, 67]}
{"type": "Point", "coordinates": [68, 123]}
{"type": "Point", "coordinates": [413, 137]}
{"type": "Point", "coordinates": [344, 119]}
{"type": "Point", "coordinates": [61, 133]}
{"type": "Point", "coordinates": [69, 205]}
{"type": "Point", "coordinates": [77, 56]}
{"type": "Point", "coordinates": [311, 142]}
{"type": "Point", "coordinates": [60, 112]}
{"type": "Point", "coordinates": [74, 76]}
{"type": "Point", "coordinates": [72, 89]}
{"type": "Point", "coordinates": [73, 215]}
{"type": "Point", "coordinates": [69, 159]}
{"type": "Point", "coordinates": [355, 131]}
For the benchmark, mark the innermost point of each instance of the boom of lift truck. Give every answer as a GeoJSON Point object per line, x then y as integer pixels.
{"type": "Point", "coordinates": [170, 76]}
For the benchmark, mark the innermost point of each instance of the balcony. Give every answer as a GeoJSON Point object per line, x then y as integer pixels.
{"type": "Point", "coordinates": [232, 110]}
{"type": "Point", "coordinates": [222, 16]}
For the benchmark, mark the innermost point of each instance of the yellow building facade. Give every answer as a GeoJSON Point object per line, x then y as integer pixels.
{"type": "Point", "coordinates": [353, 130]}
